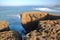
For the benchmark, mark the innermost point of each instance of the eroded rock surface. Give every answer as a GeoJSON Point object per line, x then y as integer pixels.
{"type": "Point", "coordinates": [10, 35]}
{"type": "Point", "coordinates": [47, 30]}
{"type": "Point", "coordinates": [6, 34]}
{"type": "Point", "coordinates": [27, 17]}
{"type": "Point", "coordinates": [30, 19]}
{"type": "Point", "coordinates": [3, 26]}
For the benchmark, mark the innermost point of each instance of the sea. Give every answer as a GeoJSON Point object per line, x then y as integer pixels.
{"type": "Point", "coordinates": [12, 15]}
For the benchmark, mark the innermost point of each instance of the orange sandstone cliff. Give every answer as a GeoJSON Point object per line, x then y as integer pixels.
{"type": "Point", "coordinates": [30, 20]}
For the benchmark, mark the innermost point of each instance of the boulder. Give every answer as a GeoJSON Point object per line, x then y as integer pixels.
{"type": "Point", "coordinates": [10, 35]}
{"type": "Point", "coordinates": [4, 26]}
{"type": "Point", "coordinates": [30, 20]}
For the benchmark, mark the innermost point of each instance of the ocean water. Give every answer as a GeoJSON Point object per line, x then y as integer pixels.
{"type": "Point", "coordinates": [12, 15]}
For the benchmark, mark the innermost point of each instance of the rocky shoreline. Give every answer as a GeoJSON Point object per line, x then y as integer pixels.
{"type": "Point", "coordinates": [38, 25]}
{"type": "Point", "coordinates": [41, 25]}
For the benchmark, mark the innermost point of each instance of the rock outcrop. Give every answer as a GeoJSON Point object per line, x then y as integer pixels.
{"type": "Point", "coordinates": [51, 28]}
{"type": "Point", "coordinates": [3, 26]}
{"type": "Point", "coordinates": [10, 35]}
{"type": "Point", "coordinates": [27, 17]}
{"type": "Point", "coordinates": [30, 19]}
{"type": "Point", "coordinates": [6, 33]}
{"type": "Point", "coordinates": [47, 30]}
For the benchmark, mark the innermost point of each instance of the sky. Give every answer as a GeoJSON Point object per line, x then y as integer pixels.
{"type": "Point", "coordinates": [29, 2]}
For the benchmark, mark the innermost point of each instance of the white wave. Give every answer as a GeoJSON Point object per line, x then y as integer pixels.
{"type": "Point", "coordinates": [11, 15]}
{"type": "Point", "coordinates": [57, 8]}
{"type": "Point", "coordinates": [45, 9]}
{"type": "Point", "coordinates": [18, 16]}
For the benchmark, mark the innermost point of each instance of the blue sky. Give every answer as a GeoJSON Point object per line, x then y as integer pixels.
{"type": "Point", "coordinates": [28, 2]}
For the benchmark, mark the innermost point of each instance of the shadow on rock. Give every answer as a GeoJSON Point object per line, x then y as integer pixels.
{"type": "Point", "coordinates": [30, 20]}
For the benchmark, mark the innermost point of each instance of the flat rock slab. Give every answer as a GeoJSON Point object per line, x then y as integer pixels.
{"type": "Point", "coordinates": [3, 26]}
{"type": "Point", "coordinates": [47, 30]}
{"type": "Point", "coordinates": [10, 35]}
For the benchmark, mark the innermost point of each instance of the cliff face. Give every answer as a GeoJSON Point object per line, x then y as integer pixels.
{"type": "Point", "coordinates": [30, 20]}
{"type": "Point", "coordinates": [41, 25]}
